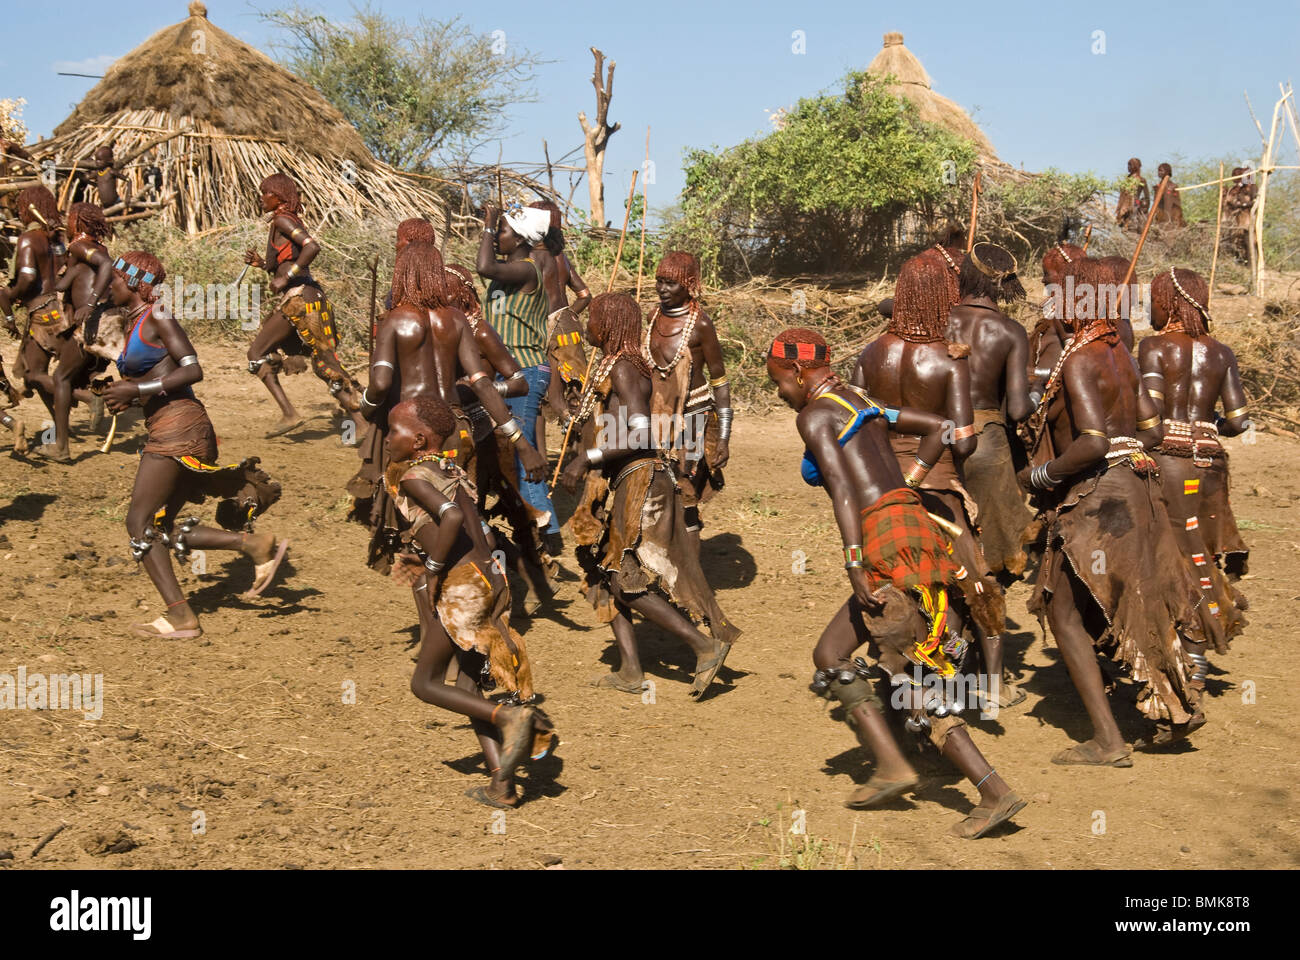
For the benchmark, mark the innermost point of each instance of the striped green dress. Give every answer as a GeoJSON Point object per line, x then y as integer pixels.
{"type": "Point", "coordinates": [520, 319]}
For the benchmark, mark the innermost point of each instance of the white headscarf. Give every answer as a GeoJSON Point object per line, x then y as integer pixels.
{"type": "Point", "coordinates": [529, 223]}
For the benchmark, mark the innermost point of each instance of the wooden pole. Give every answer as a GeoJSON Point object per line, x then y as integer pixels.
{"type": "Point", "coordinates": [374, 294]}
{"type": "Point", "coordinates": [592, 359]}
{"type": "Point", "coordinates": [550, 173]}
{"type": "Point", "coordinates": [1151, 215]}
{"type": "Point", "coordinates": [974, 210]}
{"type": "Point", "coordinates": [501, 204]}
{"type": "Point", "coordinates": [1264, 169]}
{"type": "Point", "coordinates": [1218, 227]}
{"type": "Point", "coordinates": [645, 215]}
{"type": "Point", "coordinates": [156, 142]}
{"type": "Point", "coordinates": [67, 188]}
{"type": "Point", "coordinates": [627, 217]}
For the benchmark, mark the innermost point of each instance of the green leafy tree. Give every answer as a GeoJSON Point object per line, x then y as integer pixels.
{"type": "Point", "coordinates": [414, 91]}
{"type": "Point", "coordinates": [824, 188]}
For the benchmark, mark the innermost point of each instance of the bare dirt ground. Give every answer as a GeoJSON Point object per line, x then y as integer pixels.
{"type": "Point", "coordinates": [248, 727]}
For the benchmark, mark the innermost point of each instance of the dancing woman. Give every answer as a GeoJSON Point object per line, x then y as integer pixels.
{"type": "Point", "coordinates": [178, 467]}
{"type": "Point", "coordinates": [900, 568]}
{"type": "Point", "coordinates": [302, 320]}
{"type": "Point", "coordinates": [463, 600]}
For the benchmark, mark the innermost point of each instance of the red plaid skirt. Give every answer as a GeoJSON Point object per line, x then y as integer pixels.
{"type": "Point", "coordinates": [902, 545]}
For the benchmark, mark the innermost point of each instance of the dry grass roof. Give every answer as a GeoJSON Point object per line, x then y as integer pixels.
{"type": "Point", "coordinates": [246, 117]}
{"type": "Point", "coordinates": [911, 81]}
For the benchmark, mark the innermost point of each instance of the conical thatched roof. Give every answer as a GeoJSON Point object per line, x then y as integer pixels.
{"type": "Point", "coordinates": [912, 82]}
{"type": "Point", "coordinates": [245, 117]}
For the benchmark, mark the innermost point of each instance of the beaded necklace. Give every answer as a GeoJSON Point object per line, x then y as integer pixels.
{"type": "Point", "coordinates": [688, 328]}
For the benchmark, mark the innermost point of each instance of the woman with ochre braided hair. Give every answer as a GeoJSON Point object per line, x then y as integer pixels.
{"type": "Point", "coordinates": [159, 368]}
{"type": "Point", "coordinates": [302, 321]}
{"type": "Point", "coordinates": [462, 598]}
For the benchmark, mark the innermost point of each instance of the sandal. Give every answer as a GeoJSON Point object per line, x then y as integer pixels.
{"type": "Point", "coordinates": [983, 819]}
{"type": "Point", "coordinates": [264, 573]}
{"type": "Point", "coordinates": [162, 629]}
{"type": "Point", "coordinates": [877, 791]}
{"type": "Point", "coordinates": [1088, 754]}
{"type": "Point", "coordinates": [283, 427]}
{"type": "Point", "coordinates": [1009, 694]}
{"type": "Point", "coordinates": [705, 674]}
{"type": "Point", "coordinates": [50, 452]}
{"type": "Point", "coordinates": [1166, 735]}
{"type": "Point", "coordinates": [615, 682]}
{"type": "Point", "coordinates": [480, 794]}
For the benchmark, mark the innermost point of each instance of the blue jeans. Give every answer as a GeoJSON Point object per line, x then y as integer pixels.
{"type": "Point", "coordinates": [525, 410]}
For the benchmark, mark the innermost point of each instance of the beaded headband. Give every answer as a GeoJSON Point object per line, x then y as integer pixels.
{"type": "Point", "coordinates": [135, 276]}
{"type": "Point", "coordinates": [1061, 247]}
{"type": "Point", "coordinates": [799, 351]}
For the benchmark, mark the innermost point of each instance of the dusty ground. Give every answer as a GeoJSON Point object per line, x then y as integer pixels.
{"type": "Point", "coordinates": [249, 727]}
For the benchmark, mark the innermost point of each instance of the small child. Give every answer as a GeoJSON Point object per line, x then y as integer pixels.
{"type": "Point", "coordinates": [463, 600]}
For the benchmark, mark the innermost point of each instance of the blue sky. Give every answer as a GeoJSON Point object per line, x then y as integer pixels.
{"type": "Point", "coordinates": [1168, 85]}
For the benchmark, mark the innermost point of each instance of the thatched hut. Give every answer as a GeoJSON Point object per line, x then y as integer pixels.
{"type": "Point", "coordinates": [243, 117]}
{"type": "Point", "coordinates": [913, 83]}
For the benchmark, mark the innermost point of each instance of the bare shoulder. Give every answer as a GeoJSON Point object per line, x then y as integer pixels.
{"type": "Point", "coordinates": [1220, 350]}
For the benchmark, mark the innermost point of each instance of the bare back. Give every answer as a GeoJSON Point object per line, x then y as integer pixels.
{"type": "Point", "coordinates": [903, 374]}
{"type": "Point", "coordinates": [1197, 373]}
{"type": "Point", "coordinates": [998, 357]}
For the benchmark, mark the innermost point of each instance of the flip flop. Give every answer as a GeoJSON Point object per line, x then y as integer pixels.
{"type": "Point", "coordinates": [283, 427]}
{"type": "Point", "coordinates": [614, 682]}
{"type": "Point", "coordinates": [877, 791]}
{"type": "Point", "coordinates": [50, 453]}
{"type": "Point", "coordinates": [480, 794]}
{"type": "Point", "coordinates": [983, 819]}
{"type": "Point", "coordinates": [1164, 736]}
{"type": "Point", "coordinates": [706, 674]}
{"type": "Point", "coordinates": [1009, 694]}
{"type": "Point", "coordinates": [264, 573]}
{"type": "Point", "coordinates": [163, 630]}
{"type": "Point", "coordinates": [1087, 754]}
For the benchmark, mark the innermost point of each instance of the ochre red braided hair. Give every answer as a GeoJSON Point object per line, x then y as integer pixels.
{"type": "Point", "coordinates": [926, 291]}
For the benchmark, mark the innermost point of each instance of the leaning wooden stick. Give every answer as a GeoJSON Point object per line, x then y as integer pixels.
{"type": "Point", "coordinates": [67, 187]}
{"type": "Point", "coordinates": [1087, 237]}
{"type": "Point", "coordinates": [374, 293]}
{"type": "Point", "coordinates": [501, 203]}
{"type": "Point", "coordinates": [1151, 215]}
{"type": "Point", "coordinates": [592, 359]}
{"type": "Point", "coordinates": [144, 148]}
{"type": "Point", "coordinates": [974, 211]}
{"type": "Point", "coordinates": [1214, 259]}
{"type": "Point", "coordinates": [627, 217]}
{"type": "Point", "coordinates": [645, 215]}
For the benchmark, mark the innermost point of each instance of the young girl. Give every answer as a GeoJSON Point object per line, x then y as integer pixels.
{"type": "Point", "coordinates": [900, 568]}
{"type": "Point", "coordinates": [159, 366]}
{"type": "Point", "coordinates": [462, 598]}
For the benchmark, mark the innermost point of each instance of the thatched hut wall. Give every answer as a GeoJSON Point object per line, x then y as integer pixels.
{"type": "Point", "coordinates": [244, 117]}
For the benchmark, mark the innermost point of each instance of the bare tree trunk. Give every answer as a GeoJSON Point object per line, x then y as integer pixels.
{"type": "Point", "coordinates": [596, 137]}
